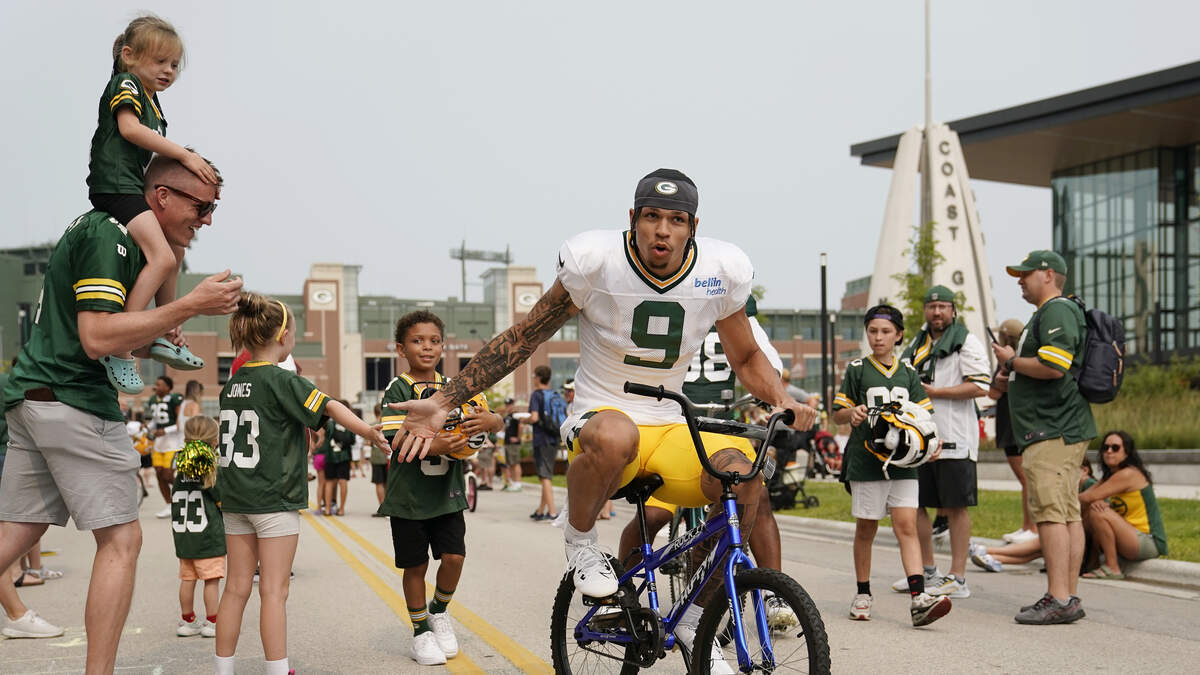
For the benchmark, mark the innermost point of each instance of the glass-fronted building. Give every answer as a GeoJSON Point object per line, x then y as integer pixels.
{"type": "Point", "coordinates": [1122, 161]}
{"type": "Point", "coordinates": [1129, 229]}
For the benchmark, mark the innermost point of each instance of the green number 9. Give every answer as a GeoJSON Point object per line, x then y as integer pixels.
{"type": "Point", "coordinates": [669, 342]}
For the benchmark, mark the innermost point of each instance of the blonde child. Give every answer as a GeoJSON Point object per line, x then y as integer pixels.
{"type": "Point", "coordinates": [263, 480]}
{"type": "Point", "coordinates": [130, 129]}
{"type": "Point", "coordinates": [197, 526]}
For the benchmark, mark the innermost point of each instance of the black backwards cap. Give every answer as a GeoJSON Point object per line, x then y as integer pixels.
{"type": "Point", "coordinates": [667, 189]}
{"type": "Point", "coordinates": [885, 312]}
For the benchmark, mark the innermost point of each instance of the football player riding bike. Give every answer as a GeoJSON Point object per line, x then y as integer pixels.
{"type": "Point", "coordinates": [646, 298]}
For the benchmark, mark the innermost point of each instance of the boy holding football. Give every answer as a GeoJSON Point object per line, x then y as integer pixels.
{"type": "Point", "coordinates": [425, 499]}
{"type": "Point", "coordinates": [876, 379]}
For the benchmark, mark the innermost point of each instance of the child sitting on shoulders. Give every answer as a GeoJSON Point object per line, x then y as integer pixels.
{"type": "Point", "coordinates": [197, 526]}
{"type": "Point", "coordinates": [425, 498]}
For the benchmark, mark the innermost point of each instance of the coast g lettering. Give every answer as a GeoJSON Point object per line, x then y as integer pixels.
{"type": "Point", "coordinates": [711, 286]}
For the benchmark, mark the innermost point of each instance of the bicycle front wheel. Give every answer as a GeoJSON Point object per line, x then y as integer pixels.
{"type": "Point", "coordinates": [797, 635]}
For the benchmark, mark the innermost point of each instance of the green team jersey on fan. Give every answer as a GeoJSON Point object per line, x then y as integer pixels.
{"type": "Point", "coordinates": [264, 447]}
{"type": "Point", "coordinates": [92, 266]}
{"type": "Point", "coordinates": [196, 521]}
{"type": "Point", "coordinates": [868, 382]}
{"type": "Point", "coordinates": [424, 489]}
{"type": "Point", "coordinates": [118, 166]}
{"type": "Point", "coordinates": [1045, 409]}
{"type": "Point", "coordinates": [709, 373]}
{"type": "Point", "coordinates": [164, 412]}
{"type": "Point", "coordinates": [338, 440]}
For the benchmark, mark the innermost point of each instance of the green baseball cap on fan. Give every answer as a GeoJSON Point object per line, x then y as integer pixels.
{"type": "Point", "coordinates": [939, 294]}
{"type": "Point", "coordinates": [1039, 260]}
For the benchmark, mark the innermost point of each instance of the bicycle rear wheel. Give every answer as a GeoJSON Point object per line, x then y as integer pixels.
{"type": "Point", "coordinates": [798, 643]}
{"type": "Point", "coordinates": [472, 491]}
{"type": "Point", "coordinates": [569, 654]}
{"type": "Point", "coordinates": [679, 571]}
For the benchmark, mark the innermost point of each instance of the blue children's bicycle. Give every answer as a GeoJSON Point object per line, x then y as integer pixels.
{"type": "Point", "coordinates": [620, 634]}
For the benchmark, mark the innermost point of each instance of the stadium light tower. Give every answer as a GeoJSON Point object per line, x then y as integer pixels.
{"type": "Point", "coordinates": [463, 254]}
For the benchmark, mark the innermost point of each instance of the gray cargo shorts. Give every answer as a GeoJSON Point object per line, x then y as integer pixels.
{"type": "Point", "coordinates": [63, 462]}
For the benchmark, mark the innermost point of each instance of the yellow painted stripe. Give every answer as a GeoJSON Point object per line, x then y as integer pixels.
{"type": "Point", "coordinates": [519, 655]}
{"type": "Point", "coordinates": [99, 282]}
{"type": "Point", "coordinates": [97, 295]}
{"type": "Point", "coordinates": [459, 664]}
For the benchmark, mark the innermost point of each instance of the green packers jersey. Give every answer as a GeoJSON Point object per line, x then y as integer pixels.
{"type": "Point", "coordinates": [1045, 409]}
{"type": "Point", "coordinates": [196, 521]}
{"type": "Point", "coordinates": [164, 412]}
{"type": "Point", "coordinates": [93, 264]}
{"type": "Point", "coordinates": [118, 166]}
{"type": "Point", "coordinates": [424, 489]}
{"type": "Point", "coordinates": [709, 373]}
{"type": "Point", "coordinates": [264, 448]}
{"type": "Point", "coordinates": [339, 440]}
{"type": "Point", "coordinates": [868, 382]}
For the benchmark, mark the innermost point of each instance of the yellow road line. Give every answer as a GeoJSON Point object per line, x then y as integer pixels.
{"type": "Point", "coordinates": [510, 649]}
{"type": "Point", "coordinates": [459, 664]}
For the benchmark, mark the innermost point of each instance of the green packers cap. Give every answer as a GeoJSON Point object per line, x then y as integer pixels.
{"type": "Point", "coordinates": [939, 294]}
{"type": "Point", "coordinates": [1039, 260]}
{"type": "Point", "coordinates": [667, 189]}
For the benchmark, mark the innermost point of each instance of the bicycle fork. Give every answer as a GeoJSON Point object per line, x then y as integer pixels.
{"type": "Point", "coordinates": [738, 559]}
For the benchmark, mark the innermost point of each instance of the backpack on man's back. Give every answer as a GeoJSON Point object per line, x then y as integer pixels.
{"type": "Point", "coordinates": [1102, 369]}
{"type": "Point", "coordinates": [552, 414]}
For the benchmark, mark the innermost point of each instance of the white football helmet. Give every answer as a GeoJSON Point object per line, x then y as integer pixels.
{"type": "Point", "coordinates": [903, 434]}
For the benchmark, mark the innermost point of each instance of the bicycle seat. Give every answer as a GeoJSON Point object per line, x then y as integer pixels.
{"type": "Point", "coordinates": [638, 489]}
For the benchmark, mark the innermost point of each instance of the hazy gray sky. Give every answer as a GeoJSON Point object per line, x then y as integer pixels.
{"type": "Point", "coordinates": [385, 133]}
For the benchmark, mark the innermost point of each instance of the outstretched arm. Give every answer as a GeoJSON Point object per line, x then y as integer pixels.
{"type": "Point", "coordinates": [498, 358]}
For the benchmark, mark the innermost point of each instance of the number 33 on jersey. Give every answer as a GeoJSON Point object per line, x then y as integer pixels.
{"type": "Point", "coordinates": [263, 446]}
{"type": "Point", "coordinates": [635, 326]}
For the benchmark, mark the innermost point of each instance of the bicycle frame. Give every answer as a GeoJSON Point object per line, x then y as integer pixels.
{"type": "Point", "coordinates": [728, 529]}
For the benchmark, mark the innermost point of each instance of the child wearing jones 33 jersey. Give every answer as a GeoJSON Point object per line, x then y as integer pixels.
{"type": "Point", "coordinates": [263, 480]}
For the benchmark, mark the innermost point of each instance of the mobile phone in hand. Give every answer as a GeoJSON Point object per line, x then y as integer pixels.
{"type": "Point", "coordinates": [991, 335]}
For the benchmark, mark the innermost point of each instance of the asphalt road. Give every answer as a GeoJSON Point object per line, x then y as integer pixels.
{"type": "Point", "coordinates": [346, 612]}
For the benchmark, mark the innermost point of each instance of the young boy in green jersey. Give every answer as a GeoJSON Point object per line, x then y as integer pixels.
{"type": "Point", "coordinates": [873, 380]}
{"type": "Point", "coordinates": [425, 498]}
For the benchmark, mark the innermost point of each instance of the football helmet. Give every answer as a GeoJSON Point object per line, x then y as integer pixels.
{"type": "Point", "coordinates": [902, 434]}
{"type": "Point", "coordinates": [454, 418]}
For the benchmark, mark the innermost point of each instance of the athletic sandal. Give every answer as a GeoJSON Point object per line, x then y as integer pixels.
{"type": "Point", "coordinates": [1103, 572]}
{"type": "Point", "coordinates": [179, 358]}
{"type": "Point", "coordinates": [123, 374]}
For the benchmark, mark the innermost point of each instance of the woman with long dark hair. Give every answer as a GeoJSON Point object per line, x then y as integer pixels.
{"type": "Point", "coordinates": [1121, 512]}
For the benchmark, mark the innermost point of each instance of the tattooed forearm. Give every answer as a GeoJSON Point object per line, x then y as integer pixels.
{"type": "Point", "coordinates": [511, 348]}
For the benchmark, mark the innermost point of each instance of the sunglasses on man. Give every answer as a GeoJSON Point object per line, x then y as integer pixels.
{"type": "Point", "coordinates": [203, 208]}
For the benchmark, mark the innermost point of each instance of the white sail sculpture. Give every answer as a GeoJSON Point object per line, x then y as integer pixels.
{"type": "Point", "coordinates": [956, 227]}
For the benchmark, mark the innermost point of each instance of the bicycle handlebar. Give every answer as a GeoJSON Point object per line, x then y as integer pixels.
{"type": "Point", "coordinates": [728, 427]}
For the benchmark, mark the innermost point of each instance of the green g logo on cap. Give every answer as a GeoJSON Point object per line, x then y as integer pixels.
{"type": "Point", "coordinates": [666, 187]}
{"type": "Point", "coordinates": [1039, 260]}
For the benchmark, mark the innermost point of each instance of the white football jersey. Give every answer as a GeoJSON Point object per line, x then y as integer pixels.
{"type": "Point", "coordinates": [636, 327]}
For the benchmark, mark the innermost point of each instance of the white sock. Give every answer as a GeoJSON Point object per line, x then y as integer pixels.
{"type": "Point", "coordinates": [223, 665]}
{"type": "Point", "coordinates": [279, 667]}
{"type": "Point", "coordinates": [576, 537]}
{"type": "Point", "coordinates": [691, 616]}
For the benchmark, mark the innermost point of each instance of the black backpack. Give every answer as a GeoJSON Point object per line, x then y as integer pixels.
{"type": "Point", "coordinates": [554, 413]}
{"type": "Point", "coordinates": [1102, 369]}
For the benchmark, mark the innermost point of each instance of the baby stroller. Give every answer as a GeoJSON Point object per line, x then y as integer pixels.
{"type": "Point", "coordinates": [827, 458]}
{"type": "Point", "coordinates": [794, 462]}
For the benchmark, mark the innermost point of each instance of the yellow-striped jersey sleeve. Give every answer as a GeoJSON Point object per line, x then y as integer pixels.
{"type": "Point", "coordinates": [1055, 356]}
{"type": "Point", "coordinates": [842, 401]}
{"type": "Point", "coordinates": [95, 293]}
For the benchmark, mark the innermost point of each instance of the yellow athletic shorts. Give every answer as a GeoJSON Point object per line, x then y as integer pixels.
{"type": "Point", "coordinates": [162, 459]}
{"type": "Point", "coordinates": [667, 450]}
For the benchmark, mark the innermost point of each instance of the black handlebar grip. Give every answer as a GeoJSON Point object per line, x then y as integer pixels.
{"type": "Point", "coordinates": [788, 417]}
{"type": "Point", "coordinates": [644, 390]}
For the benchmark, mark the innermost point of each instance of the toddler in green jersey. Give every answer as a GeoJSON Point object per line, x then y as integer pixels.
{"type": "Point", "coordinates": [425, 498]}
{"type": "Point", "coordinates": [875, 379]}
{"type": "Point", "coordinates": [197, 526]}
{"type": "Point", "coordinates": [130, 129]}
{"type": "Point", "coordinates": [263, 481]}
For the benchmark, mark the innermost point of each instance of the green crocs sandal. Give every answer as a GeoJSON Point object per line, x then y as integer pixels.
{"type": "Point", "coordinates": [123, 374]}
{"type": "Point", "coordinates": [179, 358]}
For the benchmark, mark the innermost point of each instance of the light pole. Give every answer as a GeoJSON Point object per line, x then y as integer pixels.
{"type": "Point", "coordinates": [828, 393]}
{"type": "Point", "coordinates": [824, 338]}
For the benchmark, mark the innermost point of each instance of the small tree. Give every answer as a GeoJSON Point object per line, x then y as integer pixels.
{"type": "Point", "coordinates": [922, 246]}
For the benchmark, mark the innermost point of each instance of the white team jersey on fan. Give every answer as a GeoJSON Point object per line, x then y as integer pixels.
{"type": "Point", "coordinates": [636, 327]}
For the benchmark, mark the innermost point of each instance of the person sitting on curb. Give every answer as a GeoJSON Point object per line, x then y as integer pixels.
{"type": "Point", "coordinates": [994, 558]}
{"type": "Point", "coordinates": [1121, 512]}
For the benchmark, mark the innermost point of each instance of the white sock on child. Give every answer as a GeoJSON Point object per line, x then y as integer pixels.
{"type": "Point", "coordinates": [223, 665]}
{"type": "Point", "coordinates": [279, 667]}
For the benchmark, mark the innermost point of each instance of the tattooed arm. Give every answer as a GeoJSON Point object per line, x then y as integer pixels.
{"type": "Point", "coordinates": [498, 358]}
